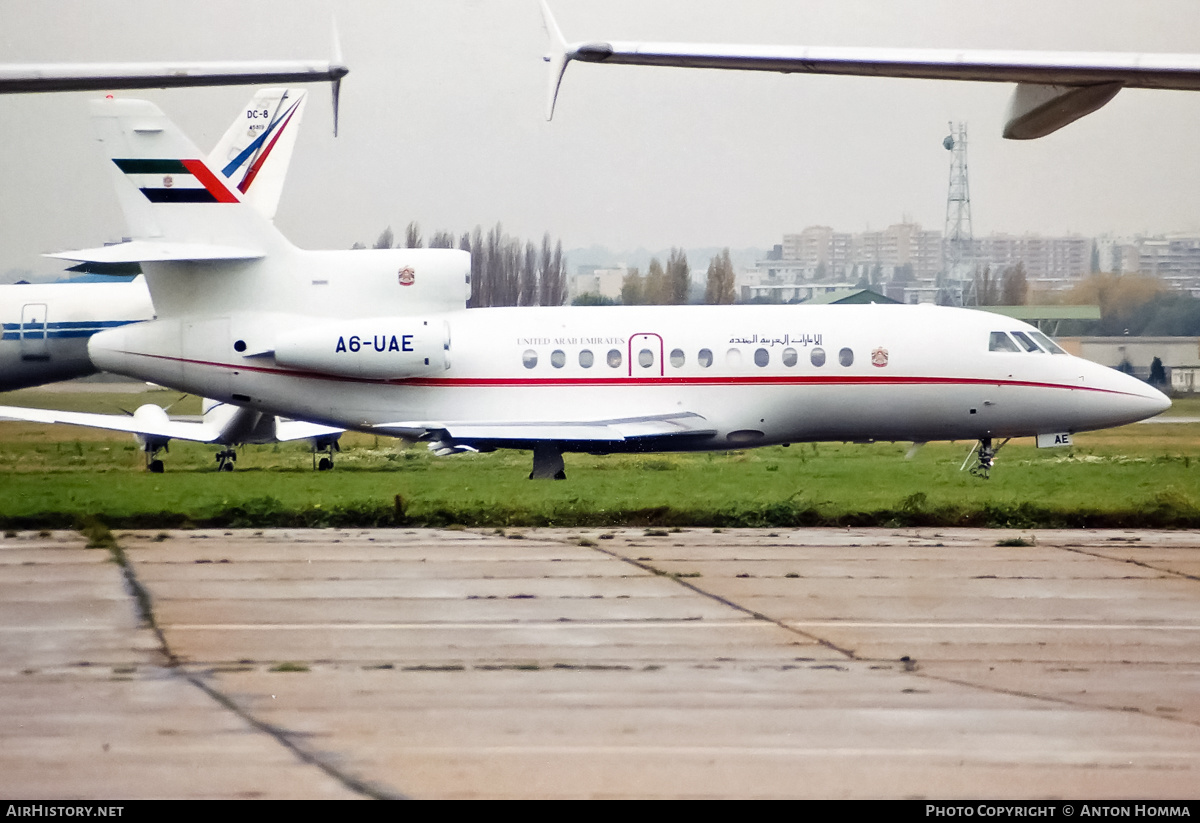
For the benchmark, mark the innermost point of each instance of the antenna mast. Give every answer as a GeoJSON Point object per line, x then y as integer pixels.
{"type": "Point", "coordinates": [958, 241]}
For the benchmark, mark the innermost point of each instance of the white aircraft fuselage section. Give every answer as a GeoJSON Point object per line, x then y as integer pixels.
{"type": "Point", "coordinates": [751, 375]}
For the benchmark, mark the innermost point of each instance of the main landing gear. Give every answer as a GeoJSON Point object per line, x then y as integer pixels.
{"type": "Point", "coordinates": [153, 464]}
{"type": "Point", "coordinates": [547, 463]}
{"type": "Point", "coordinates": [986, 458]}
{"type": "Point", "coordinates": [327, 448]}
{"type": "Point", "coordinates": [225, 460]}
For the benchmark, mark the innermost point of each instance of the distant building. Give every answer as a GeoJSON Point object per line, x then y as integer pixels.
{"type": "Point", "coordinates": [593, 280]}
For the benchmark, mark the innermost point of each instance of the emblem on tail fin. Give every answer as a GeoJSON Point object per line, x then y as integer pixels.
{"type": "Point", "coordinates": [175, 181]}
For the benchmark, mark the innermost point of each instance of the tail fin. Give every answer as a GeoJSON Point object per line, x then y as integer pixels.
{"type": "Point", "coordinates": [171, 197]}
{"type": "Point", "coordinates": [255, 152]}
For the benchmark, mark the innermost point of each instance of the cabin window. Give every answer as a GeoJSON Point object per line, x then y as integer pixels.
{"type": "Point", "coordinates": [645, 358]}
{"type": "Point", "coordinates": [1002, 342]}
{"type": "Point", "coordinates": [676, 357]}
{"type": "Point", "coordinates": [704, 358]}
{"type": "Point", "coordinates": [846, 357]}
{"type": "Point", "coordinates": [817, 356]}
{"type": "Point", "coordinates": [1024, 340]}
{"type": "Point", "coordinates": [558, 358]}
{"type": "Point", "coordinates": [529, 358]}
{"type": "Point", "coordinates": [761, 357]}
{"type": "Point", "coordinates": [733, 358]}
{"type": "Point", "coordinates": [789, 357]}
{"type": "Point", "coordinates": [586, 358]}
{"type": "Point", "coordinates": [1047, 344]}
{"type": "Point", "coordinates": [614, 358]}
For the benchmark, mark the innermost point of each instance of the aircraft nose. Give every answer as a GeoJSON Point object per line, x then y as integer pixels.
{"type": "Point", "coordinates": [1121, 399]}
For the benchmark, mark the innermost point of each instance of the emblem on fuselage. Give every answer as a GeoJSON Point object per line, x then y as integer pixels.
{"type": "Point", "coordinates": [407, 276]}
{"type": "Point", "coordinates": [168, 181]}
{"type": "Point", "coordinates": [879, 357]}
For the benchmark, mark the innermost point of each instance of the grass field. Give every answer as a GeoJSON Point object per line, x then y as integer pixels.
{"type": "Point", "coordinates": [1145, 475]}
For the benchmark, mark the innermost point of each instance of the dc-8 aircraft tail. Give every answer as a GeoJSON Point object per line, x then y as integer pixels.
{"type": "Point", "coordinates": [381, 341]}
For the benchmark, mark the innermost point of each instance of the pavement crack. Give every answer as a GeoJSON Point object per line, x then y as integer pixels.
{"type": "Point", "coordinates": [99, 536]}
{"type": "Point", "coordinates": [684, 581]}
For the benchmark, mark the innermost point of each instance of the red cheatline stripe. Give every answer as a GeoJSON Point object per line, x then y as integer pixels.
{"type": "Point", "coordinates": [209, 180]}
{"type": "Point", "coordinates": [577, 382]}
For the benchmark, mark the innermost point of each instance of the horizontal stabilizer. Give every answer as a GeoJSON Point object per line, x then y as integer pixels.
{"type": "Point", "coordinates": [158, 251]}
{"type": "Point", "coordinates": [600, 431]}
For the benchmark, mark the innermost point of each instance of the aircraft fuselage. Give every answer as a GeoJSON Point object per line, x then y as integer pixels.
{"type": "Point", "coordinates": [757, 375]}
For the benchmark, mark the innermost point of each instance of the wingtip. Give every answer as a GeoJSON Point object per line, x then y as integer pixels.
{"type": "Point", "coordinates": [558, 57]}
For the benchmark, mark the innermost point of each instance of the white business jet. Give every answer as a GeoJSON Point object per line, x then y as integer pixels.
{"type": "Point", "coordinates": [222, 424]}
{"type": "Point", "coordinates": [380, 341]}
{"type": "Point", "coordinates": [44, 328]}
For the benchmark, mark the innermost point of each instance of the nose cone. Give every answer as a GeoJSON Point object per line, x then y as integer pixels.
{"type": "Point", "coordinates": [1117, 399]}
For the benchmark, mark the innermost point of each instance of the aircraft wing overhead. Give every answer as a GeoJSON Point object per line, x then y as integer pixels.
{"type": "Point", "coordinates": [1054, 88]}
{"type": "Point", "coordinates": [611, 431]}
{"type": "Point", "coordinates": [17, 78]}
{"type": "Point", "coordinates": [159, 428]}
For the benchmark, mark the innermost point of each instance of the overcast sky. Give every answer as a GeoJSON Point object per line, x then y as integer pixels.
{"type": "Point", "coordinates": [442, 121]}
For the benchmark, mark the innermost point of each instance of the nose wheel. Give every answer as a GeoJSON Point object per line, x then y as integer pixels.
{"type": "Point", "coordinates": [985, 459]}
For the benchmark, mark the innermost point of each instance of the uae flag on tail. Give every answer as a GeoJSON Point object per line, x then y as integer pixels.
{"type": "Point", "coordinates": [175, 181]}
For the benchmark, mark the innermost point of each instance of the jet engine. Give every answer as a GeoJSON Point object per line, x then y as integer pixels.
{"type": "Point", "coordinates": [375, 348]}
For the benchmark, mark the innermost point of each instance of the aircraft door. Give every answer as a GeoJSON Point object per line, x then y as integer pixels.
{"type": "Point", "coordinates": [34, 342]}
{"type": "Point", "coordinates": [645, 355]}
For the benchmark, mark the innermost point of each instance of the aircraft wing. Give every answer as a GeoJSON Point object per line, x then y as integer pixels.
{"type": "Point", "coordinates": [1053, 88]}
{"type": "Point", "coordinates": [600, 431]}
{"type": "Point", "coordinates": [146, 425]}
{"type": "Point", "coordinates": [16, 78]}
{"type": "Point", "coordinates": [286, 430]}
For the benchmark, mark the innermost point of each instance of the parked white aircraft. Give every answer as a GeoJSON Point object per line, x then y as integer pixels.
{"type": "Point", "coordinates": [223, 424]}
{"type": "Point", "coordinates": [1053, 88]}
{"type": "Point", "coordinates": [380, 341]}
{"type": "Point", "coordinates": [45, 327]}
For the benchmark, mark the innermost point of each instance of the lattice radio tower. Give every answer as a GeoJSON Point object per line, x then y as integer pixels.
{"type": "Point", "coordinates": [958, 241]}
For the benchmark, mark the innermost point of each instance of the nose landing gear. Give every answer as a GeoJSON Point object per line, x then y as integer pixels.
{"type": "Point", "coordinates": [986, 459]}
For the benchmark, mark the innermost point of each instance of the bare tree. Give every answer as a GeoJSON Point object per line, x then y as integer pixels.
{"type": "Point", "coordinates": [679, 277]}
{"type": "Point", "coordinates": [385, 239]}
{"type": "Point", "coordinates": [412, 236]}
{"type": "Point", "coordinates": [442, 240]}
{"type": "Point", "coordinates": [632, 289]}
{"type": "Point", "coordinates": [528, 291]}
{"type": "Point", "coordinates": [720, 288]}
{"type": "Point", "coordinates": [1014, 287]}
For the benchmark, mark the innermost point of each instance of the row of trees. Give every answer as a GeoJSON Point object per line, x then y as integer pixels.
{"type": "Point", "coordinates": [1010, 288]}
{"type": "Point", "coordinates": [505, 270]}
{"type": "Point", "coordinates": [671, 286]}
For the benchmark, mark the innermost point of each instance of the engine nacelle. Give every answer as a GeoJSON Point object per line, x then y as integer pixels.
{"type": "Point", "coordinates": [377, 348]}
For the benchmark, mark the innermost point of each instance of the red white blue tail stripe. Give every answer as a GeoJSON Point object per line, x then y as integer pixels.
{"type": "Point", "coordinates": [254, 155]}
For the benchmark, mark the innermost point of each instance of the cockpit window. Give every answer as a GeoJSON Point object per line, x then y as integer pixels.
{"type": "Point", "coordinates": [1047, 344]}
{"type": "Point", "coordinates": [1002, 342]}
{"type": "Point", "coordinates": [1024, 340]}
